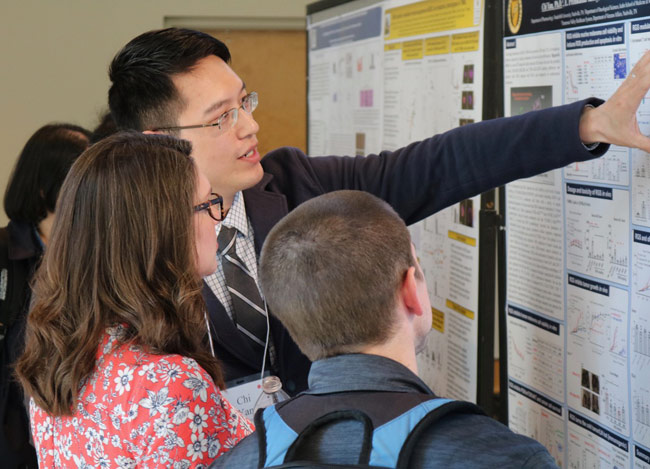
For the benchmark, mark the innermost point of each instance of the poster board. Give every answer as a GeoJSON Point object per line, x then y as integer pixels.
{"type": "Point", "coordinates": [383, 74]}
{"type": "Point", "coordinates": [578, 245]}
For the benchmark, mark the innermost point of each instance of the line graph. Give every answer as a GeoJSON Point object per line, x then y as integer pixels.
{"type": "Point", "coordinates": [601, 328]}
{"type": "Point", "coordinates": [597, 235]}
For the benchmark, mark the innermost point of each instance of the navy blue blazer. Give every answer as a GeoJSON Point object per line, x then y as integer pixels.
{"type": "Point", "coordinates": [417, 181]}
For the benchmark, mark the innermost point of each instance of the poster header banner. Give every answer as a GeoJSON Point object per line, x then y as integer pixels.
{"type": "Point", "coordinates": [351, 28]}
{"type": "Point", "coordinates": [534, 16]}
{"type": "Point", "coordinates": [431, 16]}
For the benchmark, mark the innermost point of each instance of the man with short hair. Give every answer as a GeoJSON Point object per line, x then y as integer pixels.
{"type": "Point", "coordinates": [340, 272]}
{"type": "Point", "coordinates": [179, 81]}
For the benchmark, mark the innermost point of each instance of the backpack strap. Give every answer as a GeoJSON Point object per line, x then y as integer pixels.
{"type": "Point", "coordinates": [273, 451]}
{"type": "Point", "coordinates": [388, 445]}
{"type": "Point", "coordinates": [389, 438]}
{"type": "Point", "coordinates": [453, 407]}
{"type": "Point", "coordinates": [337, 415]}
{"type": "Point", "coordinates": [260, 431]}
{"type": "Point", "coordinates": [304, 437]}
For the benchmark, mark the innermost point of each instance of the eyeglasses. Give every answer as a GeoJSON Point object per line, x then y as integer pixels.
{"type": "Point", "coordinates": [215, 200]}
{"type": "Point", "coordinates": [227, 120]}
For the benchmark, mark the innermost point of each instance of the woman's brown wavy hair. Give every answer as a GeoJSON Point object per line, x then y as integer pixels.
{"type": "Point", "coordinates": [122, 252]}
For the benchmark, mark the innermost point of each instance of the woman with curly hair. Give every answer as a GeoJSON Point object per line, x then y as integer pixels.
{"type": "Point", "coordinates": [116, 359]}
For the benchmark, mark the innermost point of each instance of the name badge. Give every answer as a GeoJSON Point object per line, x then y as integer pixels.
{"type": "Point", "coordinates": [244, 396]}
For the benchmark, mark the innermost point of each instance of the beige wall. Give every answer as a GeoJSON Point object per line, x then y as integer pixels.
{"type": "Point", "coordinates": [55, 54]}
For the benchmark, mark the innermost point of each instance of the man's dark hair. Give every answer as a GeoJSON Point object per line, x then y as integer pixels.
{"type": "Point", "coordinates": [40, 170]}
{"type": "Point", "coordinates": [142, 95]}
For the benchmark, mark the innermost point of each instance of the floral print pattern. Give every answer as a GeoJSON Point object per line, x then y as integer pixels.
{"type": "Point", "coordinates": [140, 410]}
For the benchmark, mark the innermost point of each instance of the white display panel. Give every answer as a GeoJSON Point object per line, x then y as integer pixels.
{"type": "Point", "coordinates": [591, 445]}
{"type": "Point", "coordinates": [448, 252]}
{"type": "Point", "coordinates": [536, 352]}
{"type": "Point", "coordinates": [383, 74]}
{"type": "Point", "coordinates": [345, 84]}
{"type": "Point", "coordinates": [433, 82]}
{"type": "Point", "coordinates": [640, 337]}
{"type": "Point", "coordinates": [533, 415]}
{"type": "Point", "coordinates": [588, 273]}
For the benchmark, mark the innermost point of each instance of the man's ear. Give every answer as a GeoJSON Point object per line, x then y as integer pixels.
{"type": "Point", "coordinates": [409, 291]}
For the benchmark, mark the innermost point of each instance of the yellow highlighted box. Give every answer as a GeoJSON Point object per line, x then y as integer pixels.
{"type": "Point", "coordinates": [393, 46]}
{"type": "Point", "coordinates": [459, 309]}
{"type": "Point", "coordinates": [465, 42]}
{"type": "Point", "coordinates": [437, 45]}
{"type": "Point", "coordinates": [429, 16]}
{"type": "Point", "coordinates": [412, 50]}
{"type": "Point", "coordinates": [462, 238]}
{"type": "Point", "coordinates": [438, 320]}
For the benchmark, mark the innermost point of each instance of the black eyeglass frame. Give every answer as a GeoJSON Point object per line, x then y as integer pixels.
{"type": "Point", "coordinates": [251, 98]}
{"type": "Point", "coordinates": [216, 200]}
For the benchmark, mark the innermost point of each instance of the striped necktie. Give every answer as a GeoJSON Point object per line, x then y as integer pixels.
{"type": "Point", "coordinates": [249, 314]}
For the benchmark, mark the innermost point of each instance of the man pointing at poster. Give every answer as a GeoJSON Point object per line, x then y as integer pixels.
{"type": "Point", "coordinates": [179, 82]}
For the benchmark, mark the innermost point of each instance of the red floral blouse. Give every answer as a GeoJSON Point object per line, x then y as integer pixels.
{"type": "Point", "coordinates": [139, 409]}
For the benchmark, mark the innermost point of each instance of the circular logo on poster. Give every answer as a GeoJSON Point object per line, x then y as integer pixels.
{"type": "Point", "coordinates": [515, 15]}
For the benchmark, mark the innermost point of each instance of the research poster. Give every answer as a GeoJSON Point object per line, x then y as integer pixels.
{"type": "Point", "coordinates": [578, 244]}
{"type": "Point", "coordinates": [433, 80]}
{"type": "Point", "coordinates": [386, 74]}
{"type": "Point", "coordinates": [345, 97]}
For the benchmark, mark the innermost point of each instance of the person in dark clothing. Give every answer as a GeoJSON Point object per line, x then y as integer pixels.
{"type": "Point", "coordinates": [341, 274]}
{"type": "Point", "coordinates": [179, 81]}
{"type": "Point", "coordinates": [29, 202]}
